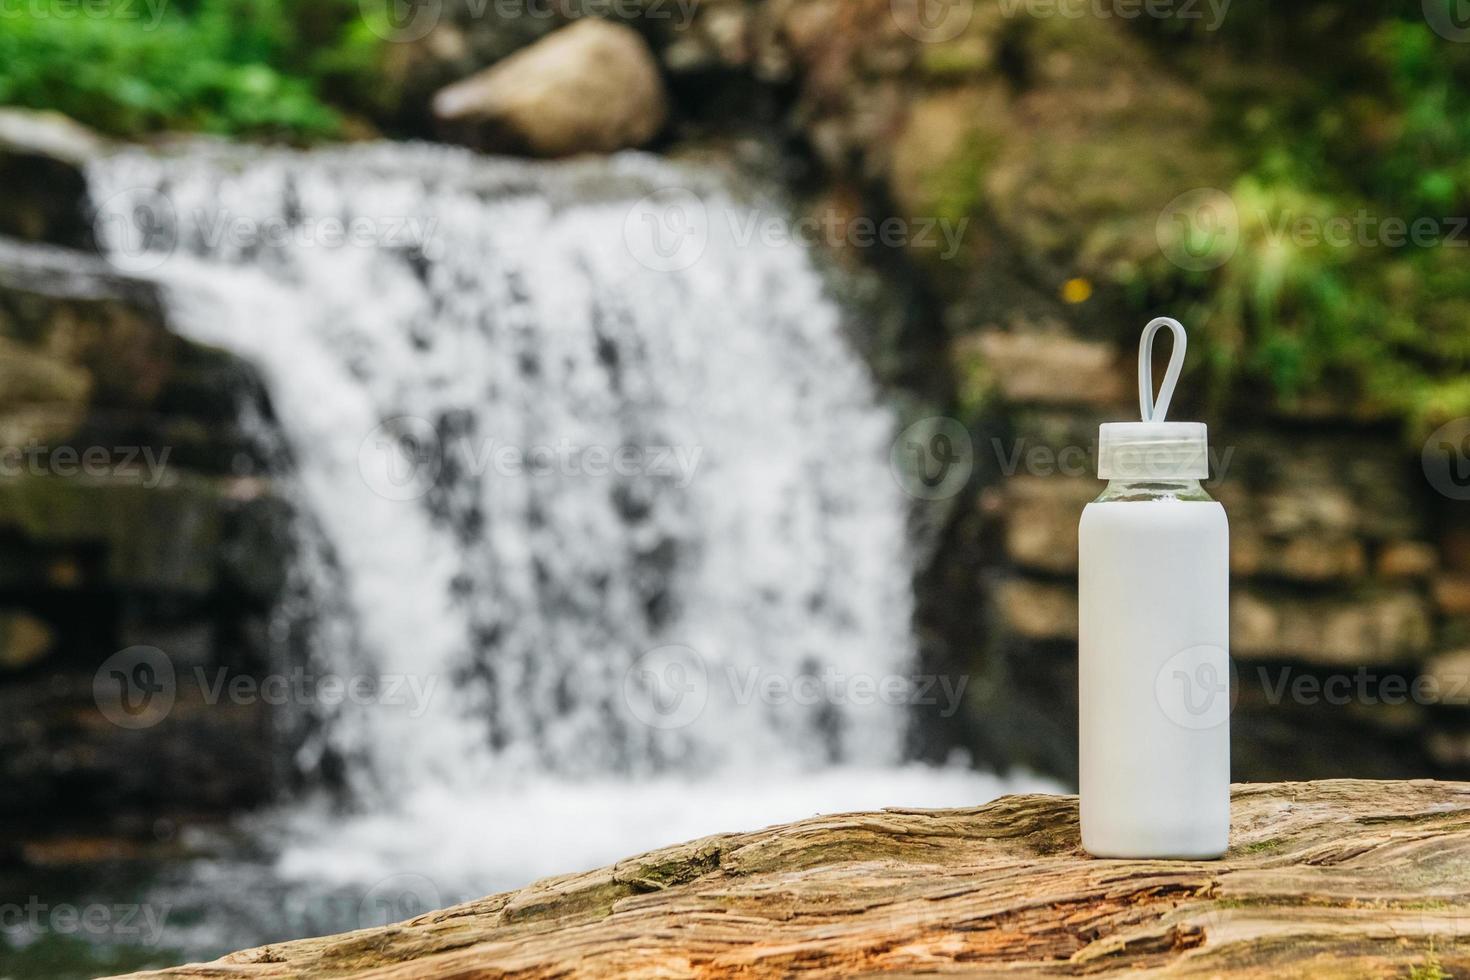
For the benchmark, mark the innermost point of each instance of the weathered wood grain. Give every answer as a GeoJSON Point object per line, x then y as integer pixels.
{"type": "Point", "coordinates": [1330, 879]}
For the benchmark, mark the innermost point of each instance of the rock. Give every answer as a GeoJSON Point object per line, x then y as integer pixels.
{"type": "Point", "coordinates": [1455, 545]}
{"type": "Point", "coordinates": [1052, 368]}
{"type": "Point", "coordinates": [1042, 505]}
{"type": "Point", "coordinates": [162, 538]}
{"type": "Point", "coordinates": [1447, 677]}
{"type": "Point", "coordinates": [1334, 484]}
{"type": "Point", "coordinates": [43, 398]}
{"type": "Point", "coordinates": [1003, 889]}
{"type": "Point", "coordinates": [1038, 610]}
{"type": "Point", "coordinates": [1407, 560]}
{"type": "Point", "coordinates": [1382, 629]}
{"type": "Point", "coordinates": [593, 87]}
{"type": "Point", "coordinates": [1452, 594]}
{"type": "Point", "coordinates": [24, 639]}
{"type": "Point", "coordinates": [121, 526]}
{"type": "Point", "coordinates": [41, 160]}
{"type": "Point", "coordinates": [1450, 749]}
{"type": "Point", "coordinates": [1301, 558]}
{"type": "Point", "coordinates": [412, 70]}
{"type": "Point", "coordinates": [938, 137]}
{"type": "Point", "coordinates": [1041, 520]}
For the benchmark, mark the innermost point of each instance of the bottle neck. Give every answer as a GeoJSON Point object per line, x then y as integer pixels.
{"type": "Point", "coordinates": [1155, 489]}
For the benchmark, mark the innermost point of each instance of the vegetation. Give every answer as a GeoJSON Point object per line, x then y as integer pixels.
{"type": "Point", "coordinates": [1352, 271]}
{"type": "Point", "coordinates": [129, 67]}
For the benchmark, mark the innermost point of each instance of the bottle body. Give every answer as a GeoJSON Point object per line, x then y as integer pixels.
{"type": "Point", "coordinates": [1154, 672]}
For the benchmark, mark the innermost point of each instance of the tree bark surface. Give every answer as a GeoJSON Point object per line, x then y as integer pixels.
{"type": "Point", "coordinates": [1342, 878]}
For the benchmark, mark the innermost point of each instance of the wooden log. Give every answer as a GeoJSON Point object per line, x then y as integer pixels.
{"type": "Point", "coordinates": [1343, 878]}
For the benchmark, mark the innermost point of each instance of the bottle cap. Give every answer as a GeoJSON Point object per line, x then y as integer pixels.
{"type": "Point", "coordinates": [1155, 449]}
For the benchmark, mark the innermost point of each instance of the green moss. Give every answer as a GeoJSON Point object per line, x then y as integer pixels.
{"type": "Point", "coordinates": [671, 869]}
{"type": "Point", "coordinates": [957, 189]}
{"type": "Point", "coordinates": [956, 60]}
{"type": "Point", "coordinates": [1430, 969]}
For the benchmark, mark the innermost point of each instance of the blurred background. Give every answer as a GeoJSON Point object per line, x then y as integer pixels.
{"type": "Point", "coordinates": [448, 443]}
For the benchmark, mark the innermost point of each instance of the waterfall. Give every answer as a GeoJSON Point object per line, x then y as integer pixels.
{"type": "Point", "coordinates": [603, 489]}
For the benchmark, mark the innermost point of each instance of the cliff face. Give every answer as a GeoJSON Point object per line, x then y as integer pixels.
{"type": "Point", "coordinates": [1344, 879]}
{"type": "Point", "coordinates": [135, 512]}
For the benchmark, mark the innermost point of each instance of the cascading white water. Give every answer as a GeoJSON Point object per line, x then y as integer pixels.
{"type": "Point", "coordinates": [606, 488]}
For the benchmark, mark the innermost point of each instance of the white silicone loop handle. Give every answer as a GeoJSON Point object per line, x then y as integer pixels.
{"type": "Point", "coordinates": [1159, 411]}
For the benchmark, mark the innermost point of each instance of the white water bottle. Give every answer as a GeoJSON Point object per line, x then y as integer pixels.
{"type": "Point", "coordinates": [1154, 669]}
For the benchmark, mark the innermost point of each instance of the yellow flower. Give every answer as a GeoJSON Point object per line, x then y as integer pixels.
{"type": "Point", "coordinates": [1076, 291]}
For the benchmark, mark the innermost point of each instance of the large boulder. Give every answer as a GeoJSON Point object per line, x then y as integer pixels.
{"type": "Point", "coordinates": [593, 87]}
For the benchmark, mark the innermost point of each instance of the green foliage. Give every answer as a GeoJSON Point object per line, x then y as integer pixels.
{"type": "Point", "coordinates": [129, 67]}
{"type": "Point", "coordinates": [1430, 969]}
{"type": "Point", "coordinates": [1352, 272]}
